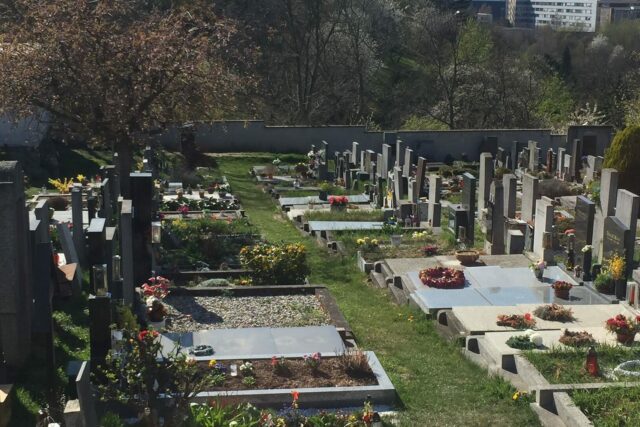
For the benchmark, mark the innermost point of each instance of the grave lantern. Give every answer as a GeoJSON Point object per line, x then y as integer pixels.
{"type": "Point", "coordinates": [100, 279]}
{"type": "Point", "coordinates": [156, 232]}
{"type": "Point", "coordinates": [116, 269]}
{"type": "Point", "coordinates": [592, 362]}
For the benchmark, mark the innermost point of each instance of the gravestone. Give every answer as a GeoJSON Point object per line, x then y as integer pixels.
{"type": "Point", "coordinates": [515, 242]}
{"type": "Point", "coordinates": [485, 180]}
{"type": "Point", "coordinates": [509, 182]}
{"type": "Point", "coordinates": [575, 150]}
{"type": "Point", "coordinates": [15, 258]}
{"type": "Point", "coordinates": [408, 162]}
{"type": "Point", "coordinates": [515, 151]}
{"type": "Point", "coordinates": [627, 205]}
{"type": "Point", "coordinates": [585, 212]}
{"type": "Point", "coordinates": [494, 244]}
{"type": "Point", "coordinates": [363, 159]}
{"type": "Point", "coordinates": [96, 239]}
{"type": "Point", "coordinates": [398, 183]}
{"type": "Point", "coordinates": [399, 153]}
{"type": "Point", "coordinates": [608, 191]}
{"type": "Point", "coordinates": [92, 205]}
{"type": "Point", "coordinates": [99, 328]}
{"type": "Point", "coordinates": [141, 202]}
{"type": "Point", "coordinates": [355, 155]}
{"type": "Point", "coordinates": [614, 237]}
{"type": "Point", "coordinates": [110, 249]}
{"type": "Point", "coordinates": [86, 397]}
{"type": "Point", "coordinates": [41, 213]}
{"type": "Point", "coordinates": [110, 173]}
{"type": "Point", "coordinates": [530, 193]}
{"type": "Point", "coordinates": [566, 171]}
{"type": "Point", "coordinates": [42, 322]}
{"type": "Point", "coordinates": [543, 228]}
{"type": "Point", "coordinates": [379, 192]}
{"type": "Point", "coordinates": [71, 255]}
{"type": "Point", "coordinates": [435, 188]}
{"type": "Point", "coordinates": [379, 162]}
{"type": "Point", "coordinates": [549, 164]}
{"type": "Point", "coordinates": [560, 163]}
{"type": "Point", "coordinates": [469, 204]}
{"type": "Point", "coordinates": [501, 158]}
{"type": "Point", "coordinates": [387, 159]}
{"type": "Point", "coordinates": [106, 211]}
{"type": "Point", "coordinates": [420, 171]}
{"type": "Point", "coordinates": [126, 251]}
{"type": "Point", "coordinates": [534, 154]}
{"type": "Point", "coordinates": [78, 226]}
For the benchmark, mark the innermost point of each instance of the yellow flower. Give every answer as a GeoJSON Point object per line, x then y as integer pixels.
{"type": "Point", "coordinates": [374, 242]}
{"type": "Point", "coordinates": [516, 395]}
{"type": "Point", "coordinates": [212, 363]}
{"type": "Point", "coordinates": [360, 241]}
{"type": "Point", "coordinates": [410, 318]}
{"type": "Point", "coordinates": [81, 177]}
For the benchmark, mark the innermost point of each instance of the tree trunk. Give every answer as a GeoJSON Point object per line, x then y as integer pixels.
{"type": "Point", "coordinates": [123, 146]}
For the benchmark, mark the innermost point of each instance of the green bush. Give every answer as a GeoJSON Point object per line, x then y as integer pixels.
{"type": "Point", "coordinates": [604, 283]}
{"type": "Point", "coordinates": [281, 264]}
{"type": "Point", "coordinates": [624, 156]}
{"type": "Point", "coordinates": [205, 240]}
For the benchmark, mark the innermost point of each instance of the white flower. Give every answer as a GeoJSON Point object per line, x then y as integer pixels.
{"type": "Point", "coordinates": [150, 300]}
{"type": "Point", "coordinates": [536, 339]}
{"type": "Point", "coordinates": [586, 248]}
{"type": "Point", "coordinates": [529, 332]}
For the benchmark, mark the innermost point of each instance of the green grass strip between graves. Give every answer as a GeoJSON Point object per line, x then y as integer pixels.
{"type": "Point", "coordinates": [436, 384]}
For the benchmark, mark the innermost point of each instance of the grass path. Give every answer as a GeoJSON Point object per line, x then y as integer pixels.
{"type": "Point", "coordinates": [436, 384]}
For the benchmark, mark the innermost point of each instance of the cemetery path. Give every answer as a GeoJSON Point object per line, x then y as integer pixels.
{"type": "Point", "coordinates": [436, 384]}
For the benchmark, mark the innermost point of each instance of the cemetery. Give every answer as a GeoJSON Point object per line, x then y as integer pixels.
{"type": "Point", "coordinates": [236, 291]}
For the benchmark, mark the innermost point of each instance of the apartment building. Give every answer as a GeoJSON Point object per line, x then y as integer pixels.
{"type": "Point", "coordinates": [577, 15]}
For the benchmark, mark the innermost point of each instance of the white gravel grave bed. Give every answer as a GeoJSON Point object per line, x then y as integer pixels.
{"type": "Point", "coordinates": [189, 314]}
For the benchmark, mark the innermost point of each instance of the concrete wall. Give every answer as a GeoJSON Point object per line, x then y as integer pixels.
{"type": "Point", "coordinates": [255, 136]}
{"type": "Point", "coordinates": [22, 133]}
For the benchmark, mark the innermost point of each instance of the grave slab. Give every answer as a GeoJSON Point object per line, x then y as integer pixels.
{"type": "Point", "coordinates": [288, 201]}
{"type": "Point", "coordinates": [430, 299]}
{"type": "Point", "coordinates": [344, 225]}
{"type": "Point", "coordinates": [259, 342]}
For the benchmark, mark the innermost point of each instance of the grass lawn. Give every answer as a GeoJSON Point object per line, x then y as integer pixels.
{"type": "Point", "coordinates": [436, 384]}
{"type": "Point", "coordinates": [566, 365]}
{"type": "Point", "coordinates": [610, 407]}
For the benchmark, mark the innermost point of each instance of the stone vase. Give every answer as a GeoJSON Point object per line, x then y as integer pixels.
{"type": "Point", "coordinates": [396, 240]}
{"type": "Point", "coordinates": [625, 338]}
{"type": "Point", "coordinates": [621, 289]}
{"type": "Point", "coordinates": [158, 326]}
{"type": "Point", "coordinates": [561, 293]}
{"type": "Point", "coordinates": [539, 273]}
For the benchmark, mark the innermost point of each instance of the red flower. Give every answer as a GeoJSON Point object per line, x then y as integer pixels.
{"type": "Point", "coordinates": [143, 334]}
{"type": "Point", "coordinates": [295, 394]}
{"type": "Point", "coordinates": [527, 316]}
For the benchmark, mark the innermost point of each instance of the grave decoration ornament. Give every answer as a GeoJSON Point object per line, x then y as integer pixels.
{"type": "Point", "coordinates": [338, 202]}
{"type": "Point", "coordinates": [576, 339]}
{"type": "Point", "coordinates": [538, 268]}
{"type": "Point", "coordinates": [561, 289]}
{"type": "Point", "coordinates": [555, 313]}
{"type": "Point", "coordinates": [624, 327]}
{"type": "Point", "coordinates": [516, 321]}
{"type": "Point", "coordinates": [155, 291]}
{"type": "Point", "coordinates": [442, 278]}
{"type": "Point", "coordinates": [522, 342]}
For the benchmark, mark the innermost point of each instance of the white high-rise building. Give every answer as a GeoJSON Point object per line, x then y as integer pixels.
{"type": "Point", "coordinates": [577, 15]}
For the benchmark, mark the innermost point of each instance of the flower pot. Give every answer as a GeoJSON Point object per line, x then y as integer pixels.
{"type": "Point", "coordinates": [323, 195]}
{"type": "Point", "coordinates": [396, 239]}
{"type": "Point", "coordinates": [467, 257]}
{"type": "Point", "coordinates": [539, 273]}
{"type": "Point", "coordinates": [561, 293]}
{"type": "Point", "coordinates": [626, 338]}
{"type": "Point", "coordinates": [621, 289]}
{"type": "Point", "coordinates": [158, 326]}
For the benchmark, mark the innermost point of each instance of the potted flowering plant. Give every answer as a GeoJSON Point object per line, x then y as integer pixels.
{"type": "Point", "coordinates": [368, 243]}
{"type": "Point", "coordinates": [338, 203]}
{"type": "Point", "coordinates": [538, 268]}
{"type": "Point", "coordinates": [430, 250]}
{"type": "Point", "coordinates": [155, 291]}
{"type": "Point", "coordinates": [184, 210]}
{"type": "Point", "coordinates": [617, 268]}
{"type": "Point", "coordinates": [624, 327]}
{"type": "Point", "coordinates": [561, 289]}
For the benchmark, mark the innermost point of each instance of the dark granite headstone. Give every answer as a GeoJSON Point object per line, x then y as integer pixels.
{"type": "Point", "coordinates": [585, 212]}
{"type": "Point", "coordinates": [96, 237]}
{"type": "Point", "coordinates": [99, 328]}
{"type": "Point", "coordinates": [141, 200]}
{"type": "Point", "coordinates": [614, 236]}
{"type": "Point", "coordinates": [469, 203]}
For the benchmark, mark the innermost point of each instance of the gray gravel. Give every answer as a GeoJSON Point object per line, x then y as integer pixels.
{"type": "Point", "coordinates": [189, 314]}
